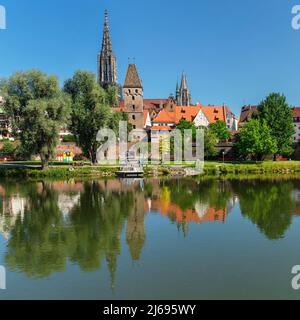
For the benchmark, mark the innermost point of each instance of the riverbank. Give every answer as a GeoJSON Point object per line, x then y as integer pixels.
{"type": "Point", "coordinates": [32, 170]}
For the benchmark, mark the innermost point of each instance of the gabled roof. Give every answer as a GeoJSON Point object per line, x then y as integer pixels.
{"type": "Point", "coordinates": [186, 113]}
{"type": "Point", "coordinates": [147, 118]}
{"type": "Point", "coordinates": [212, 113]}
{"type": "Point", "coordinates": [247, 112]}
{"type": "Point", "coordinates": [132, 79]}
{"type": "Point", "coordinates": [215, 113]}
{"type": "Point", "coordinates": [165, 117]}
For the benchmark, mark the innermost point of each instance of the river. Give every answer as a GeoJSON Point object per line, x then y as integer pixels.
{"type": "Point", "coordinates": [150, 239]}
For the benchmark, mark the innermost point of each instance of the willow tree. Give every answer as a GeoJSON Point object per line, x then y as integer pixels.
{"type": "Point", "coordinates": [37, 109]}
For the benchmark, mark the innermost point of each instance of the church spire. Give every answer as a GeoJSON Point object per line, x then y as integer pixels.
{"type": "Point", "coordinates": [107, 64]}
{"type": "Point", "coordinates": [183, 96]}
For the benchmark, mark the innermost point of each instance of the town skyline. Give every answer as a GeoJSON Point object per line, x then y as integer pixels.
{"type": "Point", "coordinates": [216, 74]}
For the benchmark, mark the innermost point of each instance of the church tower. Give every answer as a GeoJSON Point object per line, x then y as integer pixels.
{"type": "Point", "coordinates": [133, 97]}
{"type": "Point", "coordinates": [107, 62]}
{"type": "Point", "coordinates": [183, 95]}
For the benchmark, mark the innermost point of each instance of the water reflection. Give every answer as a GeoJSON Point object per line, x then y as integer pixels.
{"type": "Point", "coordinates": [47, 224]}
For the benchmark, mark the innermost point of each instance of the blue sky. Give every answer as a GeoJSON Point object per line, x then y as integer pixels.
{"type": "Point", "coordinates": [234, 51]}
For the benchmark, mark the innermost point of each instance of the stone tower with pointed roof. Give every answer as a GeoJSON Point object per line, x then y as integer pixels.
{"type": "Point", "coordinates": [183, 95]}
{"type": "Point", "coordinates": [133, 97]}
{"type": "Point", "coordinates": [107, 62]}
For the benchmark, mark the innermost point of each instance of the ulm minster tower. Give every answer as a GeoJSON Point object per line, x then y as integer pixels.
{"type": "Point", "coordinates": [130, 98]}
{"type": "Point", "coordinates": [107, 62]}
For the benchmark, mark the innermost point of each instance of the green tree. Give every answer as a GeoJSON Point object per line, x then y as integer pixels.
{"type": "Point", "coordinates": [8, 148]}
{"type": "Point", "coordinates": [256, 140]}
{"type": "Point", "coordinates": [90, 111]}
{"type": "Point", "coordinates": [220, 129]}
{"type": "Point", "coordinates": [278, 116]}
{"type": "Point", "coordinates": [187, 125]}
{"type": "Point", "coordinates": [210, 143]}
{"type": "Point", "coordinates": [37, 109]}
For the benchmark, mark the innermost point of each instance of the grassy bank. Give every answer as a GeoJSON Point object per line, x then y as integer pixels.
{"type": "Point", "coordinates": [217, 169]}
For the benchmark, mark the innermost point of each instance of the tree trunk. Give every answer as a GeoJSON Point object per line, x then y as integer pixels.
{"type": "Point", "coordinates": [93, 157]}
{"type": "Point", "coordinates": [45, 161]}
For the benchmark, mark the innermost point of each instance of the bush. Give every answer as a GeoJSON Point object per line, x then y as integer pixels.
{"type": "Point", "coordinates": [8, 148]}
{"type": "Point", "coordinates": [69, 138]}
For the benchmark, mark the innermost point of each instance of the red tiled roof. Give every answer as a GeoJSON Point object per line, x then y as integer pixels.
{"type": "Point", "coordinates": [118, 109]}
{"type": "Point", "coordinates": [296, 112]}
{"type": "Point", "coordinates": [161, 128]}
{"type": "Point", "coordinates": [247, 112]}
{"type": "Point", "coordinates": [215, 113]}
{"type": "Point", "coordinates": [165, 117]}
{"type": "Point", "coordinates": [212, 113]}
{"type": "Point", "coordinates": [186, 113]}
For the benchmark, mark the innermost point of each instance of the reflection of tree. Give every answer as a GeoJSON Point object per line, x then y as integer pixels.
{"type": "Point", "coordinates": [268, 205]}
{"type": "Point", "coordinates": [97, 223]}
{"type": "Point", "coordinates": [186, 193]}
{"type": "Point", "coordinates": [41, 243]}
{"type": "Point", "coordinates": [37, 243]}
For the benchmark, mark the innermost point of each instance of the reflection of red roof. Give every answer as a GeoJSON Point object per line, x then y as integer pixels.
{"type": "Point", "coordinates": [174, 211]}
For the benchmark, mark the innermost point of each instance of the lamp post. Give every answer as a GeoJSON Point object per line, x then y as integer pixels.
{"type": "Point", "coordinates": [223, 156]}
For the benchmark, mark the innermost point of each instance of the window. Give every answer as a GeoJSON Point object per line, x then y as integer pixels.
{"type": "Point", "coordinates": [134, 127]}
{"type": "Point", "coordinates": [129, 90]}
{"type": "Point", "coordinates": [133, 106]}
{"type": "Point", "coordinates": [133, 117]}
{"type": "Point", "coordinates": [136, 91]}
{"type": "Point", "coordinates": [133, 97]}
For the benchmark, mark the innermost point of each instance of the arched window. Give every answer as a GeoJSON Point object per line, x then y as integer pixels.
{"type": "Point", "coordinates": [133, 117]}
{"type": "Point", "coordinates": [133, 97]}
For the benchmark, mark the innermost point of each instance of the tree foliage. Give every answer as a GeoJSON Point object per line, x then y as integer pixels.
{"type": "Point", "coordinates": [220, 129]}
{"type": "Point", "coordinates": [256, 140]}
{"type": "Point", "coordinates": [278, 116]}
{"type": "Point", "coordinates": [37, 109]}
{"type": "Point", "coordinates": [90, 111]}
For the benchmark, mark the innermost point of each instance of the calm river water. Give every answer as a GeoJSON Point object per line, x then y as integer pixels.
{"type": "Point", "coordinates": [149, 239]}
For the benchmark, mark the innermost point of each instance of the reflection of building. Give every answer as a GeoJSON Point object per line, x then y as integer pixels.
{"type": "Point", "coordinates": [13, 208]}
{"type": "Point", "coordinates": [135, 233]}
{"type": "Point", "coordinates": [66, 202]}
{"type": "Point", "coordinates": [200, 214]}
